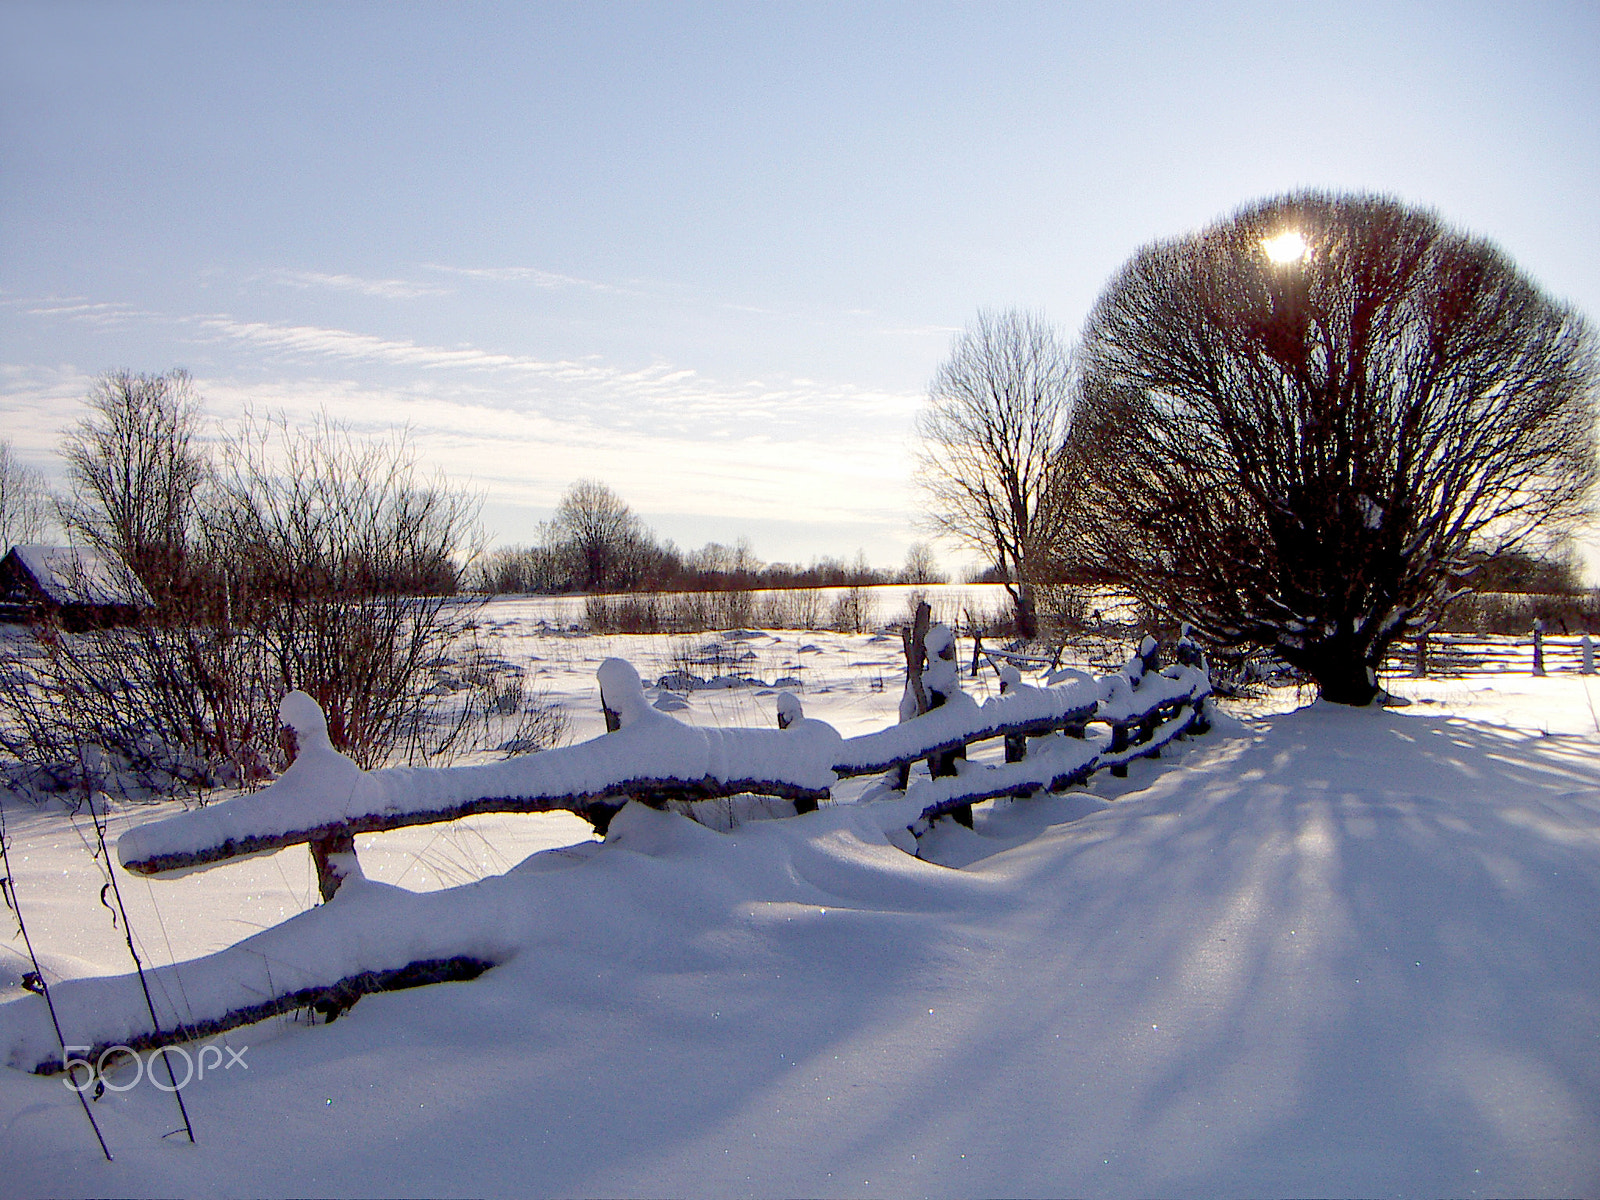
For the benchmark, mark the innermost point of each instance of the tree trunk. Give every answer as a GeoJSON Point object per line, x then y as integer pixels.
{"type": "Point", "coordinates": [1341, 670]}
{"type": "Point", "coordinates": [1024, 612]}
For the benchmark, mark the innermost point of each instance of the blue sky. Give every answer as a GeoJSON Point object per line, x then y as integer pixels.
{"type": "Point", "coordinates": [709, 254]}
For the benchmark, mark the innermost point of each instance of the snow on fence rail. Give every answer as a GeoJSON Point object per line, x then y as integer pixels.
{"type": "Point", "coordinates": [323, 800]}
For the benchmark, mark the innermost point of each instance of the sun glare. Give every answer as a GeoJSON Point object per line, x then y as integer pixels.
{"type": "Point", "coordinates": [1286, 247]}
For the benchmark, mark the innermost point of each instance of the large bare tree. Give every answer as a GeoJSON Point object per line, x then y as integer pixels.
{"type": "Point", "coordinates": [1295, 427]}
{"type": "Point", "coordinates": [991, 431]}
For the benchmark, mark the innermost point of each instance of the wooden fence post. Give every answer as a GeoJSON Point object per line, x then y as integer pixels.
{"type": "Point", "coordinates": [1119, 742]}
{"type": "Point", "coordinates": [1538, 647]}
{"type": "Point", "coordinates": [335, 859]}
{"type": "Point", "coordinates": [1016, 743]}
{"type": "Point", "coordinates": [622, 680]}
{"type": "Point", "coordinates": [304, 729]}
{"type": "Point", "coordinates": [937, 686]}
{"type": "Point", "coordinates": [915, 700]}
{"type": "Point", "coordinates": [789, 711]}
{"type": "Point", "coordinates": [944, 765]}
{"type": "Point", "coordinates": [1587, 646]}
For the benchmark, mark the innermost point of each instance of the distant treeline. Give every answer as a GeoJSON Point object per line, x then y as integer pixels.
{"type": "Point", "coordinates": [595, 543]}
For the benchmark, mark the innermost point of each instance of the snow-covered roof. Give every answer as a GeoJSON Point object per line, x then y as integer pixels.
{"type": "Point", "coordinates": [76, 575]}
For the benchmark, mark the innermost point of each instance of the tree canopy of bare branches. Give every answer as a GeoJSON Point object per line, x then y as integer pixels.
{"type": "Point", "coordinates": [24, 500]}
{"type": "Point", "coordinates": [609, 544]}
{"type": "Point", "coordinates": [136, 472]}
{"type": "Point", "coordinates": [281, 557]}
{"type": "Point", "coordinates": [991, 431]}
{"type": "Point", "coordinates": [1297, 427]}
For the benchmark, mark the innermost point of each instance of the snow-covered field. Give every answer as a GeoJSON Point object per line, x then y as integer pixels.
{"type": "Point", "coordinates": [1314, 952]}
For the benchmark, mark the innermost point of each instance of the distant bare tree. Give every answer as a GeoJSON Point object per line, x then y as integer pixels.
{"type": "Point", "coordinates": [921, 566]}
{"type": "Point", "coordinates": [24, 500]}
{"type": "Point", "coordinates": [136, 470]}
{"type": "Point", "coordinates": [1297, 427]}
{"type": "Point", "coordinates": [997, 412]}
{"type": "Point", "coordinates": [608, 542]}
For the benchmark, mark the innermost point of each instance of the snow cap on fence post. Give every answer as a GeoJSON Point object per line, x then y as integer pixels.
{"type": "Point", "coordinates": [335, 854]}
{"type": "Point", "coordinates": [1149, 655]}
{"type": "Point", "coordinates": [942, 674]}
{"type": "Point", "coordinates": [621, 694]}
{"type": "Point", "coordinates": [1187, 652]}
{"type": "Point", "coordinates": [304, 715]}
{"type": "Point", "coordinates": [789, 710]}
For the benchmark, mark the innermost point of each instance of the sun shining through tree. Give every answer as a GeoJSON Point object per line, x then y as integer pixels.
{"type": "Point", "coordinates": [1301, 427]}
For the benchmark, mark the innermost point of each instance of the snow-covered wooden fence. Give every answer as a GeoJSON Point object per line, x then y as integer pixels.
{"type": "Point", "coordinates": [323, 800]}
{"type": "Point", "coordinates": [1448, 655]}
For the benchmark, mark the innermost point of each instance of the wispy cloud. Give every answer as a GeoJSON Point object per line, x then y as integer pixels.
{"type": "Point", "coordinates": [383, 289]}
{"type": "Point", "coordinates": [548, 280]}
{"type": "Point", "coordinates": [76, 308]}
{"type": "Point", "coordinates": [671, 398]}
{"type": "Point", "coordinates": [942, 331]}
{"type": "Point", "coordinates": [36, 404]}
{"type": "Point", "coordinates": [313, 341]}
{"type": "Point", "coordinates": [526, 456]}
{"type": "Point", "coordinates": [672, 438]}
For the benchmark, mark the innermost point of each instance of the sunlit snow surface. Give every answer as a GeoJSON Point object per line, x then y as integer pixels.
{"type": "Point", "coordinates": [1315, 952]}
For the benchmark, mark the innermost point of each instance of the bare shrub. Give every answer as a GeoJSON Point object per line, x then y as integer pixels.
{"type": "Point", "coordinates": [342, 561]}
{"type": "Point", "coordinates": [480, 701]}
{"type": "Point", "coordinates": [641, 613]}
{"type": "Point", "coordinates": [852, 611]}
{"type": "Point", "coordinates": [1514, 613]}
{"type": "Point", "coordinates": [308, 559]}
{"type": "Point", "coordinates": [793, 608]}
{"type": "Point", "coordinates": [143, 709]}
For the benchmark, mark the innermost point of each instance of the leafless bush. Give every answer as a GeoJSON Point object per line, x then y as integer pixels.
{"type": "Point", "coordinates": [146, 709]}
{"type": "Point", "coordinates": [304, 559]}
{"type": "Point", "coordinates": [852, 611]}
{"type": "Point", "coordinates": [624, 614]}
{"type": "Point", "coordinates": [792, 608]}
{"type": "Point", "coordinates": [701, 612]}
{"type": "Point", "coordinates": [342, 561]}
{"type": "Point", "coordinates": [480, 701]}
